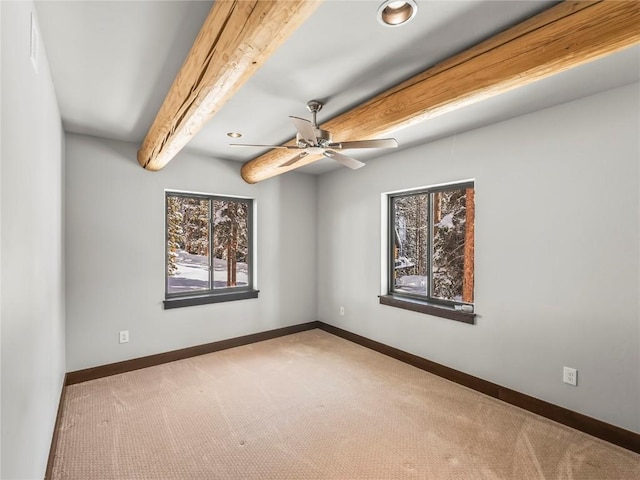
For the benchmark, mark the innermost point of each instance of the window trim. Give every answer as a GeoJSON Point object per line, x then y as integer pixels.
{"type": "Point", "coordinates": [208, 298]}
{"type": "Point", "coordinates": [420, 306]}
{"type": "Point", "coordinates": [212, 295]}
{"type": "Point", "coordinates": [421, 303]}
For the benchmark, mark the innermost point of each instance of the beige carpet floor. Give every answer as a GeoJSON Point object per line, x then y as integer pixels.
{"type": "Point", "coordinates": [312, 406]}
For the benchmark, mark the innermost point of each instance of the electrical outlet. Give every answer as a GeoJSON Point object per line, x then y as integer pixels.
{"type": "Point", "coordinates": [342, 311]}
{"type": "Point", "coordinates": [570, 376]}
{"type": "Point", "coordinates": [124, 336]}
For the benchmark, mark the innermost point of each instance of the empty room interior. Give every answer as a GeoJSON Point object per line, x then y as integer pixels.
{"type": "Point", "coordinates": [320, 240]}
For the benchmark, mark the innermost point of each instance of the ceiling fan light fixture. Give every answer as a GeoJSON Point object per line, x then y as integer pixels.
{"type": "Point", "coordinates": [393, 13]}
{"type": "Point", "coordinates": [234, 134]}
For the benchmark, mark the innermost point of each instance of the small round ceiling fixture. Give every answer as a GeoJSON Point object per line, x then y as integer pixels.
{"type": "Point", "coordinates": [393, 13]}
{"type": "Point", "coordinates": [234, 134]}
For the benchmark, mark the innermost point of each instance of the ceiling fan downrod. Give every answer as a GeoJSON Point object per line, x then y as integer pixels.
{"type": "Point", "coordinates": [323, 138]}
{"type": "Point", "coordinates": [314, 106]}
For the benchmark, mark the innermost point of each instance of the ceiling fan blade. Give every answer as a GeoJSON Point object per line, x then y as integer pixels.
{"type": "Point", "coordinates": [377, 143]}
{"type": "Point", "coordinates": [305, 130]}
{"type": "Point", "coordinates": [290, 147]}
{"type": "Point", "coordinates": [352, 163]}
{"type": "Point", "coordinates": [295, 159]}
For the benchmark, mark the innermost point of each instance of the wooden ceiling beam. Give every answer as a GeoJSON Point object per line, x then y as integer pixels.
{"type": "Point", "coordinates": [236, 38]}
{"type": "Point", "coordinates": [562, 37]}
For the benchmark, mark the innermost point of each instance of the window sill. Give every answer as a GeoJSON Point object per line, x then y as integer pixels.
{"type": "Point", "coordinates": [179, 302]}
{"type": "Point", "coordinates": [428, 308]}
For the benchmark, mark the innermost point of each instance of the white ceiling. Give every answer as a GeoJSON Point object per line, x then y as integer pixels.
{"type": "Point", "coordinates": [113, 62]}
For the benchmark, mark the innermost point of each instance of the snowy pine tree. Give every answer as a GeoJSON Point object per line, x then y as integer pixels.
{"type": "Point", "coordinates": [231, 235]}
{"type": "Point", "coordinates": [175, 237]}
{"type": "Point", "coordinates": [411, 217]}
{"type": "Point", "coordinates": [196, 225]}
{"type": "Point", "coordinates": [448, 245]}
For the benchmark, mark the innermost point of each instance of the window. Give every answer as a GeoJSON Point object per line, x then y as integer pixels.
{"type": "Point", "coordinates": [431, 251]}
{"type": "Point", "coordinates": [208, 249]}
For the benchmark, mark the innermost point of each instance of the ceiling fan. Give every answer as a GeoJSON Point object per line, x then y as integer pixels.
{"type": "Point", "coordinates": [313, 140]}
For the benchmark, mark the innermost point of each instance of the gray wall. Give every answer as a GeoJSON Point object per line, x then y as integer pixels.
{"type": "Point", "coordinates": [557, 242]}
{"type": "Point", "coordinates": [116, 253]}
{"type": "Point", "coordinates": [557, 253]}
{"type": "Point", "coordinates": [32, 308]}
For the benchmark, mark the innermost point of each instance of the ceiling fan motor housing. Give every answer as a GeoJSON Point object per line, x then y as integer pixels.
{"type": "Point", "coordinates": [323, 138]}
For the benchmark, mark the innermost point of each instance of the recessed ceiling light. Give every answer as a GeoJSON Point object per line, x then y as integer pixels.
{"type": "Point", "coordinates": [234, 134]}
{"type": "Point", "coordinates": [393, 13]}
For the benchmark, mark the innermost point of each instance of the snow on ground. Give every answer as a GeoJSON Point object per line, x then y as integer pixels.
{"type": "Point", "coordinates": [193, 273]}
{"type": "Point", "coordinates": [412, 284]}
